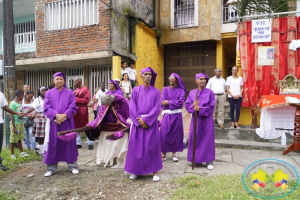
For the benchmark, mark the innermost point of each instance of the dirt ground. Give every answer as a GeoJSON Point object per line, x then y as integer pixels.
{"type": "Point", "coordinates": [93, 182]}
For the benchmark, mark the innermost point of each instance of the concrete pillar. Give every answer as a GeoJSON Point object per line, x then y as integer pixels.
{"type": "Point", "coordinates": [116, 67]}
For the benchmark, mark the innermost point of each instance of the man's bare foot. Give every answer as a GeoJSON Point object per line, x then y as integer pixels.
{"type": "Point", "coordinates": [155, 176]}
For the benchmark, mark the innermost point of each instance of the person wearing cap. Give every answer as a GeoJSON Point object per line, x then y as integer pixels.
{"type": "Point", "coordinates": [144, 151]}
{"type": "Point", "coordinates": [114, 88]}
{"type": "Point", "coordinates": [118, 82]}
{"type": "Point", "coordinates": [171, 130]}
{"type": "Point", "coordinates": [205, 132]}
{"type": "Point", "coordinates": [217, 85]}
{"type": "Point", "coordinates": [60, 107]}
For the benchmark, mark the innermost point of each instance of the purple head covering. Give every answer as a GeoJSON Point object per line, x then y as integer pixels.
{"type": "Point", "coordinates": [116, 85]}
{"type": "Point", "coordinates": [202, 75]}
{"type": "Point", "coordinates": [180, 82]}
{"type": "Point", "coordinates": [61, 75]}
{"type": "Point", "coordinates": [154, 74]}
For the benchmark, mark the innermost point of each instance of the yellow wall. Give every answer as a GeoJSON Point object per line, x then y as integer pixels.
{"type": "Point", "coordinates": [246, 117]}
{"type": "Point", "coordinates": [221, 60]}
{"type": "Point", "coordinates": [209, 23]}
{"type": "Point", "coordinates": [148, 52]}
{"type": "Point", "coordinates": [116, 67]}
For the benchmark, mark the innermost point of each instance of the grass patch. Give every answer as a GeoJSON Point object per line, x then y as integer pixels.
{"type": "Point", "coordinates": [14, 163]}
{"type": "Point", "coordinates": [218, 187]}
{"type": "Point", "coordinates": [8, 196]}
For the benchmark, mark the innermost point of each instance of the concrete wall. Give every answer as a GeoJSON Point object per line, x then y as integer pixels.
{"type": "Point", "coordinates": [83, 39]}
{"type": "Point", "coordinates": [120, 25]}
{"type": "Point", "coordinates": [209, 27]}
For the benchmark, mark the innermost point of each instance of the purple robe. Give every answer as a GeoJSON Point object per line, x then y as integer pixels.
{"type": "Point", "coordinates": [118, 92]}
{"type": "Point", "coordinates": [144, 156]}
{"type": "Point", "coordinates": [171, 130]}
{"type": "Point", "coordinates": [60, 102]}
{"type": "Point", "coordinates": [119, 113]}
{"type": "Point", "coordinates": [205, 142]}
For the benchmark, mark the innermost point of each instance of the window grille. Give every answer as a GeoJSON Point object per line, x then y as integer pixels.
{"type": "Point", "coordinates": [73, 73]}
{"type": "Point", "coordinates": [184, 13]}
{"type": "Point", "coordinates": [99, 74]}
{"type": "Point", "coordinates": [38, 78]}
{"type": "Point", "coordinates": [25, 35]}
{"type": "Point", "coordinates": [71, 13]}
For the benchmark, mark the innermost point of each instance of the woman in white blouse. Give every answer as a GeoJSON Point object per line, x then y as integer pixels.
{"type": "Point", "coordinates": [126, 84]}
{"type": "Point", "coordinates": [234, 85]}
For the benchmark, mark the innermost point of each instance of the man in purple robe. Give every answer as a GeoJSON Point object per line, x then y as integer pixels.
{"type": "Point", "coordinates": [143, 156]}
{"type": "Point", "coordinates": [114, 88]}
{"type": "Point", "coordinates": [171, 130]}
{"type": "Point", "coordinates": [60, 107]}
{"type": "Point", "coordinates": [205, 132]}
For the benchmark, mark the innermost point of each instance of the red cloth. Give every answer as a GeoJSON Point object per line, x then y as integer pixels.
{"type": "Point", "coordinates": [273, 101]}
{"type": "Point", "coordinates": [81, 117]}
{"type": "Point", "coordinates": [260, 80]}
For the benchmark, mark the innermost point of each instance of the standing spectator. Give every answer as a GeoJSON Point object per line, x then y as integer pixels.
{"type": "Point", "coordinates": [26, 88]}
{"type": "Point", "coordinates": [234, 86]}
{"type": "Point", "coordinates": [28, 120]}
{"type": "Point", "coordinates": [217, 85]}
{"type": "Point", "coordinates": [95, 104]}
{"type": "Point", "coordinates": [16, 125]}
{"type": "Point", "coordinates": [132, 74]}
{"type": "Point", "coordinates": [123, 67]}
{"type": "Point", "coordinates": [81, 117]}
{"type": "Point", "coordinates": [39, 125]}
{"type": "Point", "coordinates": [126, 85]}
{"type": "Point", "coordinates": [3, 104]}
{"type": "Point", "coordinates": [101, 92]}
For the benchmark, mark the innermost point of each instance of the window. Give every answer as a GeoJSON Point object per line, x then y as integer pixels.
{"type": "Point", "coordinates": [71, 13]}
{"type": "Point", "coordinates": [184, 13]}
{"type": "Point", "coordinates": [25, 35]}
{"type": "Point", "coordinates": [38, 78]}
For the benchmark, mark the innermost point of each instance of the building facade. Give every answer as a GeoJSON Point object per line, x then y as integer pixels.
{"type": "Point", "coordinates": [82, 38]}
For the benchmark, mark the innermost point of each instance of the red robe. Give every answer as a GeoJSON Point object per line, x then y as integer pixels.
{"type": "Point", "coordinates": [81, 118]}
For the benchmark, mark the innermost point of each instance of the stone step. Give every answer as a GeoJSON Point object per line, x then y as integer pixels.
{"type": "Point", "coordinates": [242, 144]}
{"type": "Point", "coordinates": [246, 134]}
{"type": "Point", "coordinates": [227, 120]}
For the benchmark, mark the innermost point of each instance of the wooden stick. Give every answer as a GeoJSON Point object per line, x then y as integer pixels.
{"type": "Point", "coordinates": [77, 130]}
{"type": "Point", "coordinates": [195, 130]}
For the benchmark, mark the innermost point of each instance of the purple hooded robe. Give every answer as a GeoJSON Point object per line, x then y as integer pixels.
{"type": "Point", "coordinates": [118, 112]}
{"type": "Point", "coordinates": [118, 90]}
{"type": "Point", "coordinates": [171, 130]}
{"type": "Point", "coordinates": [205, 142]}
{"type": "Point", "coordinates": [60, 102]}
{"type": "Point", "coordinates": [144, 156]}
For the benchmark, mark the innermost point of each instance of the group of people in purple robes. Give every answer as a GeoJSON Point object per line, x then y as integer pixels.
{"type": "Point", "coordinates": [148, 144]}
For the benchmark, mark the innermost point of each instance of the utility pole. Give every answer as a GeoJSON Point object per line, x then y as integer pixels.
{"type": "Point", "coordinates": [8, 57]}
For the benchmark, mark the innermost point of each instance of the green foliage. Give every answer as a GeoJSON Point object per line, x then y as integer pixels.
{"type": "Point", "coordinates": [253, 7]}
{"type": "Point", "coordinates": [4, 195]}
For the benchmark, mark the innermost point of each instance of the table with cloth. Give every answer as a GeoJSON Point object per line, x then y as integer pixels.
{"type": "Point", "coordinates": [277, 117]}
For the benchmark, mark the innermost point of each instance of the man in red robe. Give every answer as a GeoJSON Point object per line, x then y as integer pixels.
{"type": "Point", "coordinates": [81, 118]}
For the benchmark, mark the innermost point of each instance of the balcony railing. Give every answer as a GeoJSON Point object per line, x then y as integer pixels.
{"type": "Point", "coordinates": [229, 14]}
{"type": "Point", "coordinates": [24, 42]}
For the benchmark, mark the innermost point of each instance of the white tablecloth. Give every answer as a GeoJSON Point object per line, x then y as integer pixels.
{"type": "Point", "coordinates": [274, 122]}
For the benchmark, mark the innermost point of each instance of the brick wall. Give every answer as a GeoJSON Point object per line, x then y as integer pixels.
{"type": "Point", "coordinates": [83, 39]}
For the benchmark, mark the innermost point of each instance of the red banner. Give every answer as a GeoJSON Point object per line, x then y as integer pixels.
{"type": "Point", "coordinates": [260, 80]}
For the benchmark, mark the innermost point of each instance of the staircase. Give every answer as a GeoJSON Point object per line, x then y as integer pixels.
{"type": "Point", "coordinates": [244, 138]}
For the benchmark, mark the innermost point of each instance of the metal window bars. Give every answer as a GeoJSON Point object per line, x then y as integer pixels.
{"type": "Point", "coordinates": [97, 75]}
{"type": "Point", "coordinates": [66, 14]}
{"type": "Point", "coordinates": [25, 35]}
{"type": "Point", "coordinates": [184, 13]}
{"type": "Point", "coordinates": [38, 78]}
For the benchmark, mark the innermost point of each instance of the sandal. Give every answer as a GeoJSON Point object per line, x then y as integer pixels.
{"type": "Point", "coordinates": [174, 158]}
{"type": "Point", "coordinates": [163, 158]}
{"type": "Point", "coordinates": [238, 127]}
{"type": "Point", "coordinates": [231, 127]}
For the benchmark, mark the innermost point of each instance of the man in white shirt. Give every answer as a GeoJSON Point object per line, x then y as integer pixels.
{"type": "Point", "coordinates": [3, 105]}
{"type": "Point", "coordinates": [101, 92]}
{"type": "Point", "coordinates": [132, 74]}
{"type": "Point", "coordinates": [217, 85]}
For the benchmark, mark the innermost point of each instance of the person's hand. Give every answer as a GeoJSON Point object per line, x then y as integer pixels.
{"type": "Point", "coordinates": [90, 104]}
{"type": "Point", "coordinates": [195, 103]}
{"type": "Point", "coordinates": [164, 103]}
{"type": "Point", "coordinates": [141, 121]}
{"type": "Point", "coordinates": [196, 108]}
{"type": "Point", "coordinates": [21, 114]}
{"type": "Point", "coordinates": [58, 122]}
{"type": "Point", "coordinates": [31, 116]}
{"type": "Point", "coordinates": [145, 126]}
{"type": "Point", "coordinates": [14, 129]}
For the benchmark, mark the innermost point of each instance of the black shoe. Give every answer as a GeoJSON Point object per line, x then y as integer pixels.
{"type": "Point", "coordinates": [4, 168]}
{"type": "Point", "coordinates": [91, 147]}
{"type": "Point", "coordinates": [79, 146]}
